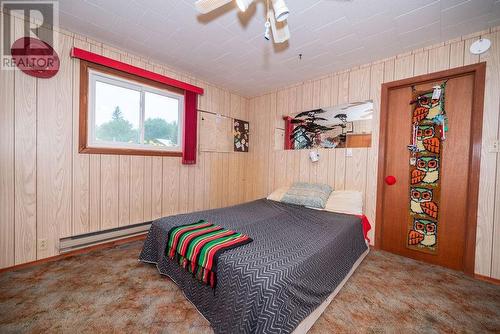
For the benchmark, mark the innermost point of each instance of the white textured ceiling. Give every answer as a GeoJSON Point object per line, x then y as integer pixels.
{"type": "Point", "coordinates": [227, 47]}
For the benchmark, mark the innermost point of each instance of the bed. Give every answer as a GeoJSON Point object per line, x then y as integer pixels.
{"type": "Point", "coordinates": [279, 283]}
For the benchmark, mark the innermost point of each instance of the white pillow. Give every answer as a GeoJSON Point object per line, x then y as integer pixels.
{"type": "Point", "coordinates": [342, 201]}
{"type": "Point", "coordinates": [278, 194]}
{"type": "Point", "coordinates": [350, 202]}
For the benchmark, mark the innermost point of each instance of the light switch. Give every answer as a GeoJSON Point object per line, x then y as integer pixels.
{"type": "Point", "coordinates": [348, 152]}
{"type": "Point", "coordinates": [494, 146]}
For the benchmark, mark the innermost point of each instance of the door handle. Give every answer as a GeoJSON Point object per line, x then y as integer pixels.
{"type": "Point", "coordinates": [390, 180]}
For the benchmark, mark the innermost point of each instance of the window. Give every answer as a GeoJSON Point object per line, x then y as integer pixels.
{"type": "Point", "coordinates": [129, 115]}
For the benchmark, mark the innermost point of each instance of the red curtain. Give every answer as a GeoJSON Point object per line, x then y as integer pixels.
{"type": "Point", "coordinates": [190, 128]}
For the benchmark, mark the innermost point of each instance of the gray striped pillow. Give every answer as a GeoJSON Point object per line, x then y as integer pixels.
{"type": "Point", "coordinates": [308, 194]}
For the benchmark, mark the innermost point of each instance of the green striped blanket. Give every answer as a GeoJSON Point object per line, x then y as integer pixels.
{"type": "Point", "coordinates": [197, 247]}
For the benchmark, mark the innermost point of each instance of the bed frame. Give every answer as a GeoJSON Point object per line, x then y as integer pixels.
{"type": "Point", "coordinates": [308, 322]}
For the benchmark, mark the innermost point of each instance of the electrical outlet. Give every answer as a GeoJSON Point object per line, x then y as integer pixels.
{"type": "Point", "coordinates": [494, 146]}
{"type": "Point", "coordinates": [42, 244]}
{"type": "Point", "coordinates": [348, 152]}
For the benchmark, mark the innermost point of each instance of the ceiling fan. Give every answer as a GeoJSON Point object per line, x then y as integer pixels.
{"type": "Point", "coordinates": [276, 15]}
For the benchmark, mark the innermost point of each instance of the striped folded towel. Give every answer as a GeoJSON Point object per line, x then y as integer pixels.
{"type": "Point", "coordinates": [197, 247]}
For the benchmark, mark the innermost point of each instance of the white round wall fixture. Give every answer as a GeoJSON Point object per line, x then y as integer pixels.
{"type": "Point", "coordinates": [480, 46]}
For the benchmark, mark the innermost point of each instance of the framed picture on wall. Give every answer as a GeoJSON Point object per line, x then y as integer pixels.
{"type": "Point", "coordinates": [241, 135]}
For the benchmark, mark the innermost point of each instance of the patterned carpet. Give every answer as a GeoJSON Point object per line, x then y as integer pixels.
{"type": "Point", "coordinates": [110, 291]}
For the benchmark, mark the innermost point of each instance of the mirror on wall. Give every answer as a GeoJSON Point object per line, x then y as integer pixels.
{"type": "Point", "coordinates": [343, 126]}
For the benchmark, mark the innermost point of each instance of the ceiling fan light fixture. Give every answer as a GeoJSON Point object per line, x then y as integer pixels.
{"type": "Point", "coordinates": [243, 4]}
{"type": "Point", "coordinates": [206, 6]}
{"type": "Point", "coordinates": [281, 10]}
{"type": "Point", "coordinates": [280, 32]}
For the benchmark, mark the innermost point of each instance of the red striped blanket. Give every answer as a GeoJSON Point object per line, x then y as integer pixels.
{"type": "Point", "coordinates": [197, 247]}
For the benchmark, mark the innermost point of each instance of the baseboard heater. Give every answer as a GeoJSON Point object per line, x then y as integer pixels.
{"type": "Point", "coordinates": [95, 238]}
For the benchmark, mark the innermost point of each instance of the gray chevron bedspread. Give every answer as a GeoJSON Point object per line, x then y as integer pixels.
{"type": "Point", "coordinates": [297, 258]}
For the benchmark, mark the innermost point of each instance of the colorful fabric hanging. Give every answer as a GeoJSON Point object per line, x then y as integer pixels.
{"type": "Point", "coordinates": [428, 133]}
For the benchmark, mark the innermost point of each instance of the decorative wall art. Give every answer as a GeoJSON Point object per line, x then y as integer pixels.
{"type": "Point", "coordinates": [349, 127]}
{"type": "Point", "coordinates": [331, 127]}
{"type": "Point", "coordinates": [241, 135]}
{"type": "Point", "coordinates": [428, 133]}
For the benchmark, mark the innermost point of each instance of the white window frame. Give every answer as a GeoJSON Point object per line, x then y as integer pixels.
{"type": "Point", "coordinates": [95, 76]}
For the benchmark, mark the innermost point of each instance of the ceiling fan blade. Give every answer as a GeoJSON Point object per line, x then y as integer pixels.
{"type": "Point", "coordinates": [206, 6]}
{"type": "Point", "coordinates": [281, 33]}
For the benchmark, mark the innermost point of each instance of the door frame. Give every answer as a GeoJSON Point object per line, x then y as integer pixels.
{"type": "Point", "coordinates": [479, 72]}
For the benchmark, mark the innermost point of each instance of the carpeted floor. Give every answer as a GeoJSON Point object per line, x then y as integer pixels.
{"type": "Point", "coordinates": [110, 291]}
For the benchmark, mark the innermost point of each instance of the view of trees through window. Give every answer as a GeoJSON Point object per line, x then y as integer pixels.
{"type": "Point", "coordinates": [157, 131]}
{"type": "Point", "coordinates": [133, 115]}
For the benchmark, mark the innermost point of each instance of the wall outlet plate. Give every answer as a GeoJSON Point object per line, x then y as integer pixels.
{"type": "Point", "coordinates": [42, 244]}
{"type": "Point", "coordinates": [348, 152]}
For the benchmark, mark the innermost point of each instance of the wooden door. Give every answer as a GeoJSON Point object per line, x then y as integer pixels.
{"type": "Point", "coordinates": [458, 179]}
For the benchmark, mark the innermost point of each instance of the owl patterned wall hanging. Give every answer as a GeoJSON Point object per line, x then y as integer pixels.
{"type": "Point", "coordinates": [428, 133]}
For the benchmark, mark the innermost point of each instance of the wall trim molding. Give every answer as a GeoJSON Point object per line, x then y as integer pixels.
{"type": "Point", "coordinates": [487, 279]}
{"type": "Point", "coordinates": [80, 251]}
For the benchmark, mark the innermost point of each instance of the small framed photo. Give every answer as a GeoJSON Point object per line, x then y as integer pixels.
{"type": "Point", "coordinates": [349, 127]}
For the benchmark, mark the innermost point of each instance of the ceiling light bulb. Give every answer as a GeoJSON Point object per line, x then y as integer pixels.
{"type": "Point", "coordinates": [280, 10]}
{"type": "Point", "coordinates": [243, 4]}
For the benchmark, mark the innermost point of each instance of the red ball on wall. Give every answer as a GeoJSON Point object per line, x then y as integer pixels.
{"type": "Point", "coordinates": [390, 180]}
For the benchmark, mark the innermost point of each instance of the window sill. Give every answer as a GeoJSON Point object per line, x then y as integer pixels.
{"type": "Point", "coordinates": [128, 151]}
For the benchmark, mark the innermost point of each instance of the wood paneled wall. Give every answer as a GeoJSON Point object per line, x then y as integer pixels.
{"type": "Point", "coordinates": [270, 168]}
{"type": "Point", "coordinates": [48, 190]}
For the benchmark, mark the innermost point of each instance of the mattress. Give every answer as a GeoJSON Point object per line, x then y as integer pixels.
{"type": "Point", "coordinates": [298, 257]}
